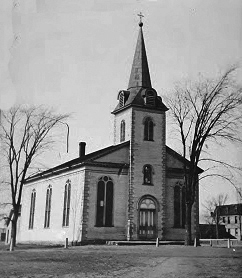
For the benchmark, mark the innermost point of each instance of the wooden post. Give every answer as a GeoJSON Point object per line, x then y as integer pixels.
{"type": "Point", "coordinates": [66, 243]}
{"type": "Point", "coordinates": [129, 230]}
{"type": "Point", "coordinates": [157, 242]}
{"type": "Point", "coordinates": [195, 242]}
{"type": "Point", "coordinates": [228, 242]}
{"type": "Point", "coordinates": [11, 246]}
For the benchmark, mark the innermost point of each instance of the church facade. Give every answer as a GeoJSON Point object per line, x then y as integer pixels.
{"type": "Point", "coordinates": [132, 190]}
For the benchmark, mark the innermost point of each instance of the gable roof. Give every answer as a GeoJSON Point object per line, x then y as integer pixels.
{"type": "Point", "coordinates": [181, 158]}
{"type": "Point", "coordinates": [88, 159]}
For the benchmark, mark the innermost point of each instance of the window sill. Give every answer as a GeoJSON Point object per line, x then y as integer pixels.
{"type": "Point", "coordinates": [148, 184]}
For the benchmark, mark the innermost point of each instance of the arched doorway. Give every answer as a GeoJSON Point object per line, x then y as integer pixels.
{"type": "Point", "coordinates": [147, 218]}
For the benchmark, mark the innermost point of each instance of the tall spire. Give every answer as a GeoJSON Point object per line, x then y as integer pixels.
{"type": "Point", "coordinates": [140, 75]}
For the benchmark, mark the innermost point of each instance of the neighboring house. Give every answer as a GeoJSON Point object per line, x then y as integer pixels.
{"type": "Point", "coordinates": [131, 190]}
{"type": "Point", "coordinates": [209, 231]}
{"type": "Point", "coordinates": [2, 230]}
{"type": "Point", "coordinates": [231, 217]}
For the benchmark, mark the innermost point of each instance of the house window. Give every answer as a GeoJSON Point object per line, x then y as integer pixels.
{"type": "Point", "coordinates": [228, 220]}
{"type": "Point", "coordinates": [147, 173]}
{"type": "Point", "coordinates": [66, 208]}
{"type": "Point", "coordinates": [122, 131]}
{"type": "Point", "coordinates": [223, 219]}
{"type": "Point", "coordinates": [148, 129]}
{"type": "Point", "coordinates": [48, 207]}
{"type": "Point", "coordinates": [104, 216]}
{"type": "Point", "coordinates": [229, 231]}
{"type": "Point", "coordinates": [235, 219]}
{"type": "Point", "coordinates": [32, 209]}
{"type": "Point", "coordinates": [236, 231]}
{"type": "Point", "coordinates": [179, 206]}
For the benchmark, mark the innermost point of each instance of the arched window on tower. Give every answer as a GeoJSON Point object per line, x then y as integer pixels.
{"type": "Point", "coordinates": [66, 207]}
{"type": "Point", "coordinates": [147, 173]}
{"type": "Point", "coordinates": [179, 206]}
{"type": "Point", "coordinates": [32, 209]}
{"type": "Point", "coordinates": [148, 129]}
{"type": "Point", "coordinates": [122, 131]}
{"type": "Point", "coordinates": [104, 216]}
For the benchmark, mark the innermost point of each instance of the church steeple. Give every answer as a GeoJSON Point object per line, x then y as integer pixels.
{"type": "Point", "coordinates": [140, 75]}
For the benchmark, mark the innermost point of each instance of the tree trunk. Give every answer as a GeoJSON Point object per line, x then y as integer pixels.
{"type": "Point", "coordinates": [14, 229]}
{"type": "Point", "coordinates": [188, 236]}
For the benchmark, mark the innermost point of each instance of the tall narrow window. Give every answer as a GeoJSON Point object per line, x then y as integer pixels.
{"type": "Point", "coordinates": [183, 201]}
{"type": "Point", "coordinates": [179, 206]}
{"type": "Point", "coordinates": [122, 131]}
{"type": "Point", "coordinates": [104, 216]}
{"type": "Point", "coordinates": [147, 172]}
{"type": "Point", "coordinates": [66, 208]}
{"type": "Point", "coordinates": [148, 129]}
{"type": "Point", "coordinates": [48, 207]}
{"type": "Point", "coordinates": [32, 209]}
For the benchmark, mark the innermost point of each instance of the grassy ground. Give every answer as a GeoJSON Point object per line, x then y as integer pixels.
{"type": "Point", "coordinates": [121, 261]}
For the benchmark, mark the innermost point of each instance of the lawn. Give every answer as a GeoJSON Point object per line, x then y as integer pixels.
{"type": "Point", "coordinates": [121, 261]}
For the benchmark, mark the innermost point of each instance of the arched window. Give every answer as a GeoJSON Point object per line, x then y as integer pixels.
{"type": "Point", "coordinates": [179, 206]}
{"type": "Point", "coordinates": [104, 216]}
{"type": "Point", "coordinates": [148, 129]}
{"type": "Point", "coordinates": [48, 207]}
{"type": "Point", "coordinates": [66, 208]}
{"type": "Point", "coordinates": [147, 173]}
{"type": "Point", "coordinates": [147, 219]}
{"type": "Point", "coordinates": [122, 131]}
{"type": "Point", "coordinates": [32, 209]}
{"type": "Point", "coordinates": [183, 207]}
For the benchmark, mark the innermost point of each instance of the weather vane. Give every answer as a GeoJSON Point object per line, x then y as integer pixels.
{"type": "Point", "coordinates": [140, 19]}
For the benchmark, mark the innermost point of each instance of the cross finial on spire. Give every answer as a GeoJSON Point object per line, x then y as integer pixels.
{"type": "Point", "coordinates": [140, 19]}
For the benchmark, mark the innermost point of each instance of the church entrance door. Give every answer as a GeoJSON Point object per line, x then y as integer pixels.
{"type": "Point", "coordinates": [147, 219]}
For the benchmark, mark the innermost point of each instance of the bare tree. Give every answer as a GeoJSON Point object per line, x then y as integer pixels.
{"type": "Point", "coordinates": [206, 112]}
{"type": "Point", "coordinates": [25, 134]}
{"type": "Point", "coordinates": [211, 215]}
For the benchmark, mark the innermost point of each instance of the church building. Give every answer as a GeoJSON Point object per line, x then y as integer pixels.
{"type": "Point", "coordinates": [132, 190]}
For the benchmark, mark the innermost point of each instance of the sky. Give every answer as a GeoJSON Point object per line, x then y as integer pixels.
{"type": "Point", "coordinates": [76, 55]}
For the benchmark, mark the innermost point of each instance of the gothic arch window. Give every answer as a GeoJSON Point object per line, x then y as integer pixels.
{"type": "Point", "coordinates": [104, 215]}
{"type": "Point", "coordinates": [66, 207]}
{"type": "Point", "coordinates": [48, 206]}
{"type": "Point", "coordinates": [147, 174]}
{"type": "Point", "coordinates": [122, 131]}
{"type": "Point", "coordinates": [148, 129]}
{"type": "Point", "coordinates": [32, 209]}
{"type": "Point", "coordinates": [179, 206]}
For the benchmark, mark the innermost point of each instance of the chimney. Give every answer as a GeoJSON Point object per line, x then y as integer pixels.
{"type": "Point", "coordinates": [82, 146]}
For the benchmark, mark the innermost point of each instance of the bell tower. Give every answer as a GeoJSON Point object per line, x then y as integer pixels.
{"type": "Point", "coordinates": [140, 118]}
